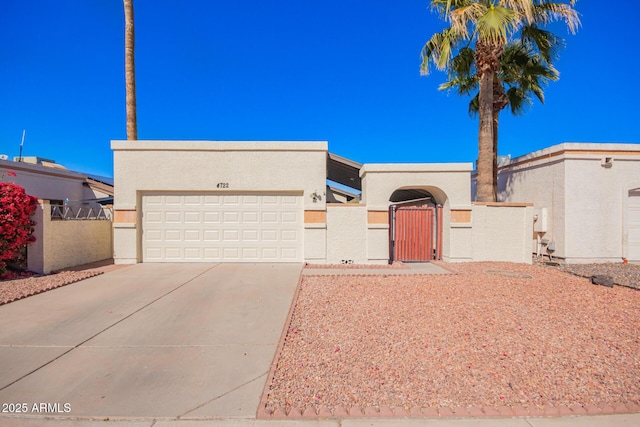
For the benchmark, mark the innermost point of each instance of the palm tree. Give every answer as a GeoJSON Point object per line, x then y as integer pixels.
{"type": "Point", "coordinates": [489, 25]}
{"type": "Point", "coordinates": [130, 71]}
{"type": "Point", "coordinates": [523, 75]}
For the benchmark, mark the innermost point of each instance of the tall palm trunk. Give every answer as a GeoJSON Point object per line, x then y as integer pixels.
{"type": "Point", "coordinates": [484, 181]}
{"type": "Point", "coordinates": [130, 71]}
{"type": "Point", "coordinates": [495, 154]}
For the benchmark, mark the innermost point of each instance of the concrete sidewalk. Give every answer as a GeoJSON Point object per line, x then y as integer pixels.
{"type": "Point", "coordinates": [623, 420]}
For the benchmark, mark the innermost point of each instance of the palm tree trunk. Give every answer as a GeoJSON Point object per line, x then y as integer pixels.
{"type": "Point", "coordinates": [495, 154]}
{"type": "Point", "coordinates": [484, 182]}
{"type": "Point", "coordinates": [130, 71]}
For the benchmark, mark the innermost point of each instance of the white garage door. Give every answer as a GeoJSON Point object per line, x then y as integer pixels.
{"type": "Point", "coordinates": [217, 227]}
{"type": "Point", "coordinates": [633, 225]}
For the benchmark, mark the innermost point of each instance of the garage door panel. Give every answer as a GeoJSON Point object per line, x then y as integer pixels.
{"type": "Point", "coordinates": [192, 235]}
{"type": "Point", "coordinates": [230, 236]}
{"type": "Point", "coordinates": [192, 200]}
{"type": "Point", "coordinates": [250, 235]}
{"type": "Point", "coordinates": [231, 217]}
{"type": "Point", "coordinates": [270, 235]}
{"type": "Point", "coordinates": [212, 254]}
{"type": "Point", "coordinates": [211, 235]}
{"type": "Point", "coordinates": [211, 200]}
{"type": "Point", "coordinates": [214, 227]}
{"type": "Point", "coordinates": [289, 200]}
{"type": "Point", "coordinates": [289, 235]}
{"type": "Point", "coordinates": [230, 254]}
{"type": "Point", "coordinates": [230, 200]}
{"type": "Point", "coordinates": [172, 236]}
{"type": "Point", "coordinates": [192, 217]}
{"type": "Point", "coordinates": [288, 254]}
{"type": "Point", "coordinates": [211, 217]}
{"type": "Point", "coordinates": [153, 254]}
{"type": "Point", "coordinates": [269, 200]}
{"type": "Point", "coordinates": [289, 217]}
{"type": "Point", "coordinates": [173, 216]}
{"type": "Point", "coordinates": [250, 200]}
{"type": "Point", "coordinates": [250, 254]}
{"type": "Point", "coordinates": [192, 254]}
{"type": "Point", "coordinates": [250, 217]}
{"type": "Point", "coordinates": [153, 217]}
{"type": "Point", "coordinates": [154, 235]}
{"type": "Point", "coordinates": [173, 254]}
{"type": "Point", "coordinates": [270, 217]}
{"type": "Point", "coordinates": [173, 200]}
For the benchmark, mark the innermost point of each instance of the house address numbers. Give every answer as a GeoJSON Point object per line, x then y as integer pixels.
{"type": "Point", "coordinates": [223, 185]}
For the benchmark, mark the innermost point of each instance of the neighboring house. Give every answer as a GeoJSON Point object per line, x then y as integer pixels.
{"type": "Point", "coordinates": [47, 180]}
{"type": "Point", "coordinates": [587, 199]}
{"type": "Point", "coordinates": [71, 226]}
{"type": "Point", "coordinates": [209, 201]}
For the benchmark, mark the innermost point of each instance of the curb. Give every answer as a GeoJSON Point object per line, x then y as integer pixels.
{"type": "Point", "coordinates": [312, 412]}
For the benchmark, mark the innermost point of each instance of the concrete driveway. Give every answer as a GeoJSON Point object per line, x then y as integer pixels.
{"type": "Point", "coordinates": [148, 340]}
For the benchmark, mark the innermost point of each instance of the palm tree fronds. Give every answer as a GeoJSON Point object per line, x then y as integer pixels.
{"type": "Point", "coordinates": [438, 50]}
{"type": "Point", "coordinates": [547, 43]}
{"type": "Point", "coordinates": [495, 25]}
{"type": "Point", "coordinates": [547, 12]}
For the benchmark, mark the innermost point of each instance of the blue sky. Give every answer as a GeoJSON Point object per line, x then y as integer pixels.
{"type": "Point", "coordinates": [343, 71]}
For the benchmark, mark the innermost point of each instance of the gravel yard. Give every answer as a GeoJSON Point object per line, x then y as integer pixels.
{"type": "Point", "coordinates": [495, 334]}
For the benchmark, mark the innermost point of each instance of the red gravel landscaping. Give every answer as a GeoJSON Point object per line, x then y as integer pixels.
{"type": "Point", "coordinates": [520, 336]}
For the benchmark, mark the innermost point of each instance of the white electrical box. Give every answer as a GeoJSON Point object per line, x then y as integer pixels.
{"type": "Point", "coordinates": [540, 220]}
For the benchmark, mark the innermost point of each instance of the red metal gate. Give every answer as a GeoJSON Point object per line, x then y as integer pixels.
{"type": "Point", "coordinates": [415, 233]}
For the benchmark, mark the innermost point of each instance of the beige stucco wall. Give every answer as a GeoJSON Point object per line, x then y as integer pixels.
{"type": "Point", "coordinates": [144, 166]}
{"type": "Point", "coordinates": [67, 243]}
{"type": "Point", "coordinates": [586, 202]}
{"type": "Point", "coordinates": [502, 232]}
{"type": "Point", "coordinates": [346, 234]}
{"type": "Point", "coordinates": [450, 185]}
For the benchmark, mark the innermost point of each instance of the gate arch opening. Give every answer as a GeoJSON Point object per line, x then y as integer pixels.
{"type": "Point", "coordinates": [415, 225]}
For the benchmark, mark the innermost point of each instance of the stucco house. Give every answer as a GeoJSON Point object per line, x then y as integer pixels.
{"type": "Point", "coordinates": [66, 199]}
{"type": "Point", "coordinates": [586, 199]}
{"type": "Point", "coordinates": [204, 201]}
{"type": "Point", "coordinates": [50, 181]}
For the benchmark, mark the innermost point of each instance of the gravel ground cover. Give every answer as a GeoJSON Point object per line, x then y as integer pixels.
{"type": "Point", "coordinates": [520, 335]}
{"type": "Point", "coordinates": [13, 290]}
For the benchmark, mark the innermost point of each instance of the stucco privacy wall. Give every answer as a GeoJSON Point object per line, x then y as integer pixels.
{"type": "Point", "coordinates": [200, 166]}
{"type": "Point", "coordinates": [448, 183]}
{"type": "Point", "coordinates": [502, 232]}
{"type": "Point", "coordinates": [585, 189]}
{"type": "Point", "coordinates": [346, 234]}
{"type": "Point", "coordinates": [67, 243]}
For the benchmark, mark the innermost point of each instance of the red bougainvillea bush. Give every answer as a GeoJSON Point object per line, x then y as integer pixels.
{"type": "Point", "coordinates": [16, 226]}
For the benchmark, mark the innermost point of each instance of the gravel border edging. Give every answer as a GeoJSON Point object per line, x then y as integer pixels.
{"type": "Point", "coordinates": [262, 411]}
{"type": "Point", "coordinates": [469, 412]}
{"type": "Point", "coordinates": [76, 277]}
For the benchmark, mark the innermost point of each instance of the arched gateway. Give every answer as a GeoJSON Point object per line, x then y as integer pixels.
{"type": "Point", "coordinates": [415, 226]}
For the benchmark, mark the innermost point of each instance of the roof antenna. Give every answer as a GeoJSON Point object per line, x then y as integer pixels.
{"type": "Point", "coordinates": [21, 144]}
